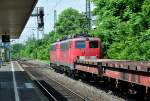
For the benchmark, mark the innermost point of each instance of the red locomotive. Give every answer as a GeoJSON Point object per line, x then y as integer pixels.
{"type": "Point", "coordinates": [65, 53]}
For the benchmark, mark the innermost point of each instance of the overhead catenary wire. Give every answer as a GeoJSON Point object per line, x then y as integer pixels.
{"type": "Point", "coordinates": [54, 7]}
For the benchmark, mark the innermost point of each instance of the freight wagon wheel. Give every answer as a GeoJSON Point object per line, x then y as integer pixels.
{"type": "Point", "coordinates": [140, 92]}
{"type": "Point", "coordinates": [72, 74]}
{"type": "Point", "coordinates": [122, 87]}
{"type": "Point", "coordinates": [68, 73]}
{"type": "Point", "coordinates": [147, 97]}
{"type": "Point", "coordinates": [76, 75]}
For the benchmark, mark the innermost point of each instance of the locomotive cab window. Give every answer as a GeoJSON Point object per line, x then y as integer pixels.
{"type": "Point", "coordinates": [64, 46]}
{"type": "Point", "coordinates": [80, 44]}
{"type": "Point", "coordinates": [93, 44]}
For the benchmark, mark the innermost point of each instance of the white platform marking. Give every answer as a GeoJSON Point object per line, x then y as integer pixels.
{"type": "Point", "coordinates": [19, 66]}
{"type": "Point", "coordinates": [29, 85]}
{"type": "Point", "coordinates": [15, 84]}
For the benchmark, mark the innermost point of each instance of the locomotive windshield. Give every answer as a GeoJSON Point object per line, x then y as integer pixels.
{"type": "Point", "coordinates": [93, 44]}
{"type": "Point", "coordinates": [80, 44]}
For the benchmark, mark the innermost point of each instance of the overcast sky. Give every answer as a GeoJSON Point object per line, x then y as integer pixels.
{"type": "Point", "coordinates": [49, 7]}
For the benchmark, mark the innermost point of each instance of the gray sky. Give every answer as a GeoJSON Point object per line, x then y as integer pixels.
{"type": "Point", "coordinates": [49, 6]}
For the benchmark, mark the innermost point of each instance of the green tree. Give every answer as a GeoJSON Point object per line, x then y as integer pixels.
{"type": "Point", "coordinates": [16, 48]}
{"type": "Point", "coordinates": [35, 49]}
{"type": "Point", "coordinates": [70, 21]}
{"type": "Point", "coordinates": [123, 26]}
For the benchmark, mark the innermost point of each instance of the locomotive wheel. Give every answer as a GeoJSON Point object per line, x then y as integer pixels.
{"type": "Point", "coordinates": [76, 75]}
{"type": "Point", "coordinates": [72, 74]}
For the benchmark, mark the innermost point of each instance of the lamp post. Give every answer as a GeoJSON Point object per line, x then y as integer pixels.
{"type": "Point", "coordinates": [35, 43]}
{"type": "Point", "coordinates": [10, 50]}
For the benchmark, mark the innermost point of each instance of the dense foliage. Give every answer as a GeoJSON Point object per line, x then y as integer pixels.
{"type": "Point", "coordinates": [16, 49]}
{"type": "Point", "coordinates": [70, 21]}
{"type": "Point", "coordinates": [124, 27]}
{"type": "Point", "coordinates": [35, 49]}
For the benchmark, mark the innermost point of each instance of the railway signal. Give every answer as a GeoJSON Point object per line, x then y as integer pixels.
{"type": "Point", "coordinates": [40, 18]}
{"type": "Point", "coordinates": [39, 14]}
{"type": "Point", "coordinates": [5, 38]}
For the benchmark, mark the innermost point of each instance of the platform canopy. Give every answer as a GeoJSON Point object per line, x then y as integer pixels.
{"type": "Point", "coordinates": [14, 15]}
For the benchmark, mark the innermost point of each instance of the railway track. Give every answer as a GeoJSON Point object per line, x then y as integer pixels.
{"type": "Point", "coordinates": [100, 84]}
{"type": "Point", "coordinates": [54, 90]}
{"type": "Point", "coordinates": [44, 88]}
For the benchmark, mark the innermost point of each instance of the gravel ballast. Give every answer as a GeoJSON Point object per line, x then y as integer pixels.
{"type": "Point", "coordinates": [89, 92]}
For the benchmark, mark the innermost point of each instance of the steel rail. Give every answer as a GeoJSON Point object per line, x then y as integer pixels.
{"type": "Point", "coordinates": [68, 89]}
{"type": "Point", "coordinates": [47, 93]}
{"type": "Point", "coordinates": [43, 88]}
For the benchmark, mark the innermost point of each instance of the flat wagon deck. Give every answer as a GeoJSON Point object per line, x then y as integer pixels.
{"type": "Point", "coordinates": [137, 72]}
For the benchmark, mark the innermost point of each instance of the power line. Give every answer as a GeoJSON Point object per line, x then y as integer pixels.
{"type": "Point", "coordinates": [57, 3]}
{"type": "Point", "coordinates": [54, 7]}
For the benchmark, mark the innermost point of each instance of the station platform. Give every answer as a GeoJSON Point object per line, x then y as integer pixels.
{"type": "Point", "coordinates": [16, 85]}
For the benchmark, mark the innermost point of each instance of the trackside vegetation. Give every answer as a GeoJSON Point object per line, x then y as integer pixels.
{"type": "Point", "coordinates": [123, 26]}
